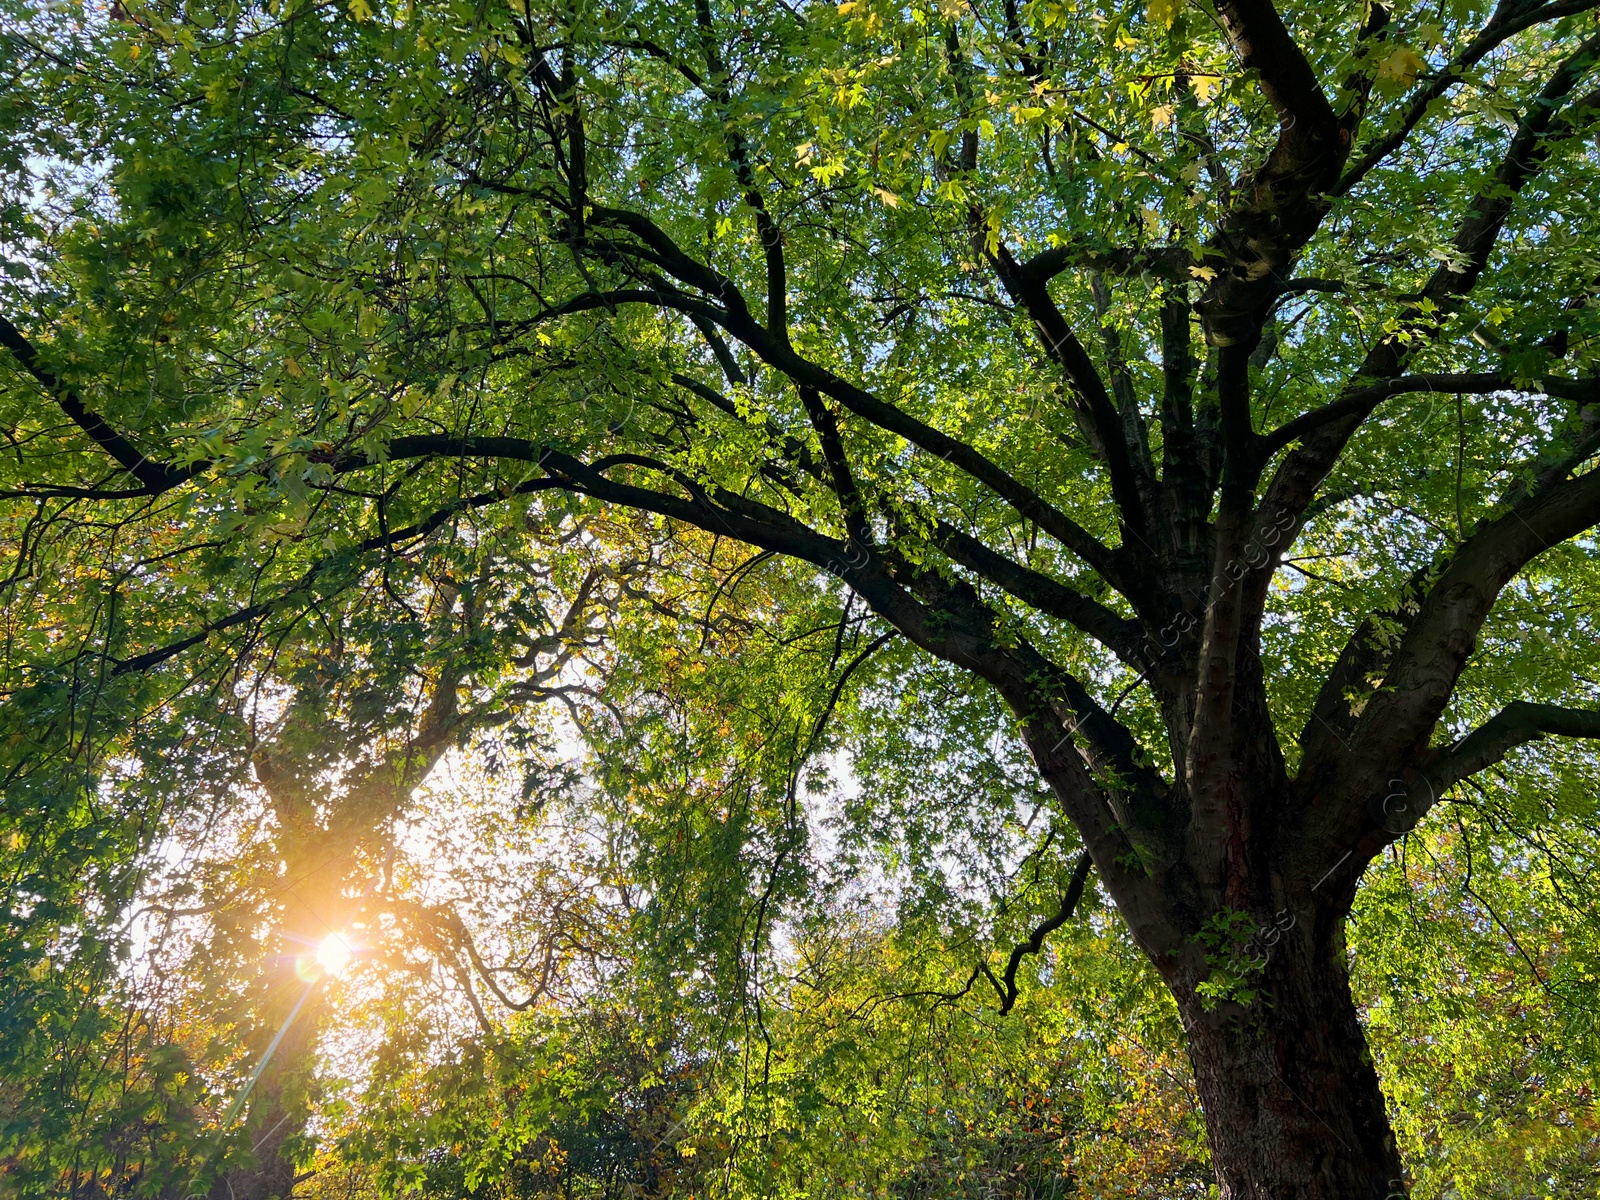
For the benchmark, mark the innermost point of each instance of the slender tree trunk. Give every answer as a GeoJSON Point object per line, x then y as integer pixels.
{"type": "Point", "coordinates": [277, 1116]}
{"type": "Point", "coordinates": [295, 1004]}
{"type": "Point", "coordinates": [319, 855]}
{"type": "Point", "coordinates": [1292, 1103]}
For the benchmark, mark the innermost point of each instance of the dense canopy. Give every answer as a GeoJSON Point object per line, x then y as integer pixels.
{"type": "Point", "coordinates": [789, 599]}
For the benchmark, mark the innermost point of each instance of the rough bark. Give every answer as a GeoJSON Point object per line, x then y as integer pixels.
{"type": "Point", "coordinates": [1293, 1106]}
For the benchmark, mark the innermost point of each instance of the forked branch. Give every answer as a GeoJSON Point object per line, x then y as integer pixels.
{"type": "Point", "coordinates": [1006, 984]}
{"type": "Point", "coordinates": [1505, 23]}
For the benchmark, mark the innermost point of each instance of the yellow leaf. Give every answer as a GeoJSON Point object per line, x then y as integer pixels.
{"type": "Point", "coordinates": [360, 10]}
{"type": "Point", "coordinates": [1400, 65]}
{"type": "Point", "coordinates": [1161, 116]}
{"type": "Point", "coordinates": [1163, 12]}
{"type": "Point", "coordinates": [1207, 274]}
{"type": "Point", "coordinates": [1205, 86]}
{"type": "Point", "coordinates": [887, 197]}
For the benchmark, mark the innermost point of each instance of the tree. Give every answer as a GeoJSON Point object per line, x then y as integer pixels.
{"type": "Point", "coordinates": [337, 776]}
{"type": "Point", "coordinates": [297, 286]}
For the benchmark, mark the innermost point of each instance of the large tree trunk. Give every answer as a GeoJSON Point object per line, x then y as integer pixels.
{"type": "Point", "coordinates": [1239, 899]}
{"type": "Point", "coordinates": [1292, 1103]}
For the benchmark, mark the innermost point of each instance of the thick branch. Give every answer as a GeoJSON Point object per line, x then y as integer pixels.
{"type": "Point", "coordinates": [844, 482]}
{"type": "Point", "coordinates": [1183, 469]}
{"type": "Point", "coordinates": [1363, 400]}
{"type": "Point", "coordinates": [945, 618]}
{"type": "Point", "coordinates": [1122, 637]}
{"type": "Point", "coordinates": [1514, 725]}
{"type": "Point", "coordinates": [1098, 415]}
{"type": "Point", "coordinates": [1356, 673]}
{"type": "Point", "coordinates": [1397, 722]}
{"type": "Point", "coordinates": [736, 319]}
{"type": "Point", "coordinates": [156, 477]}
{"type": "Point", "coordinates": [1284, 201]}
{"type": "Point", "coordinates": [1544, 124]}
{"type": "Point", "coordinates": [1135, 434]}
{"type": "Point", "coordinates": [1289, 84]}
{"type": "Point", "coordinates": [739, 153]}
{"type": "Point", "coordinates": [1302, 471]}
{"type": "Point", "coordinates": [1171, 263]}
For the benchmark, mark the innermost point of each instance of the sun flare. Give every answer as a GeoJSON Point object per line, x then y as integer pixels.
{"type": "Point", "coordinates": [334, 953]}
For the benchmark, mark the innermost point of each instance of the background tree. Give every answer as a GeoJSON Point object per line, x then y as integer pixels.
{"type": "Point", "coordinates": [1063, 339]}
{"type": "Point", "coordinates": [362, 730]}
